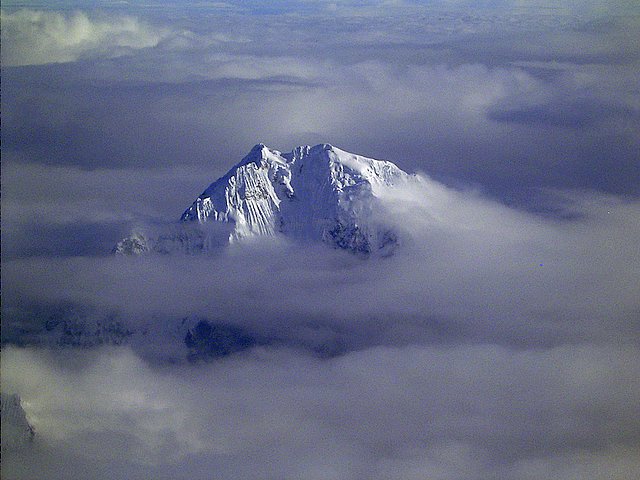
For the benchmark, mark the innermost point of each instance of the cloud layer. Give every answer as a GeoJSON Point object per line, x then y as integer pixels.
{"type": "Point", "coordinates": [500, 341]}
{"type": "Point", "coordinates": [468, 267]}
{"type": "Point", "coordinates": [466, 97]}
{"type": "Point", "coordinates": [416, 412]}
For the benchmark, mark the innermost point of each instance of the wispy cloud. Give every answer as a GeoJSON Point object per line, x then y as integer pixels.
{"type": "Point", "coordinates": [463, 97]}
{"type": "Point", "coordinates": [31, 37]}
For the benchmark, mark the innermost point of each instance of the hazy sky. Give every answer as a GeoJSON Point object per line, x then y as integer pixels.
{"type": "Point", "coordinates": [500, 342]}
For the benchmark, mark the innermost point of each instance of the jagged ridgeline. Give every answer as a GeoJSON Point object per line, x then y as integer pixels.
{"type": "Point", "coordinates": [312, 194]}
{"type": "Point", "coordinates": [17, 432]}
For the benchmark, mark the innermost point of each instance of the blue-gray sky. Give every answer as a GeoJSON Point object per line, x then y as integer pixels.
{"type": "Point", "coordinates": [500, 342]}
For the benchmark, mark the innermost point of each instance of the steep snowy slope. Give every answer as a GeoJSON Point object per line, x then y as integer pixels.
{"type": "Point", "coordinates": [318, 193]}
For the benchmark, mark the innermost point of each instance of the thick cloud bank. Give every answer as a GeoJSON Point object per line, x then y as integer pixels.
{"type": "Point", "coordinates": [496, 343]}
{"type": "Point", "coordinates": [501, 340]}
{"type": "Point", "coordinates": [417, 412]}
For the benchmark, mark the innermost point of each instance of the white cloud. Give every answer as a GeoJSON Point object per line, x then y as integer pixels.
{"type": "Point", "coordinates": [31, 37]}
{"type": "Point", "coordinates": [463, 412]}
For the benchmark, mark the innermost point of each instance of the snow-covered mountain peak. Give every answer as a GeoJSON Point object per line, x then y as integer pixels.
{"type": "Point", "coordinates": [313, 193]}
{"type": "Point", "coordinates": [260, 154]}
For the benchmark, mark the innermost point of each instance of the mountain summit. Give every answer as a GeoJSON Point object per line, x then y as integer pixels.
{"type": "Point", "coordinates": [318, 193]}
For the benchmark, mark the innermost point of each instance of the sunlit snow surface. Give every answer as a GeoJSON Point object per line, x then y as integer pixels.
{"type": "Point", "coordinates": [318, 193]}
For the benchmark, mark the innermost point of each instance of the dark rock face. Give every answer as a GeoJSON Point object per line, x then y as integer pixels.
{"type": "Point", "coordinates": [356, 240]}
{"type": "Point", "coordinates": [134, 244]}
{"type": "Point", "coordinates": [207, 341]}
{"type": "Point", "coordinates": [74, 327]}
{"type": "Point", "coordinates": [349, 237]}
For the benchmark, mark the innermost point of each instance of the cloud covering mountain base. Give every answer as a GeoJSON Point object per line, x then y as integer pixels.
{"type": "Point", "coordinates": [500, 340]}
{"type": "Point", "coordinates": [468, 412]}
{"type": "Point", "coordinates": [495, 343]}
